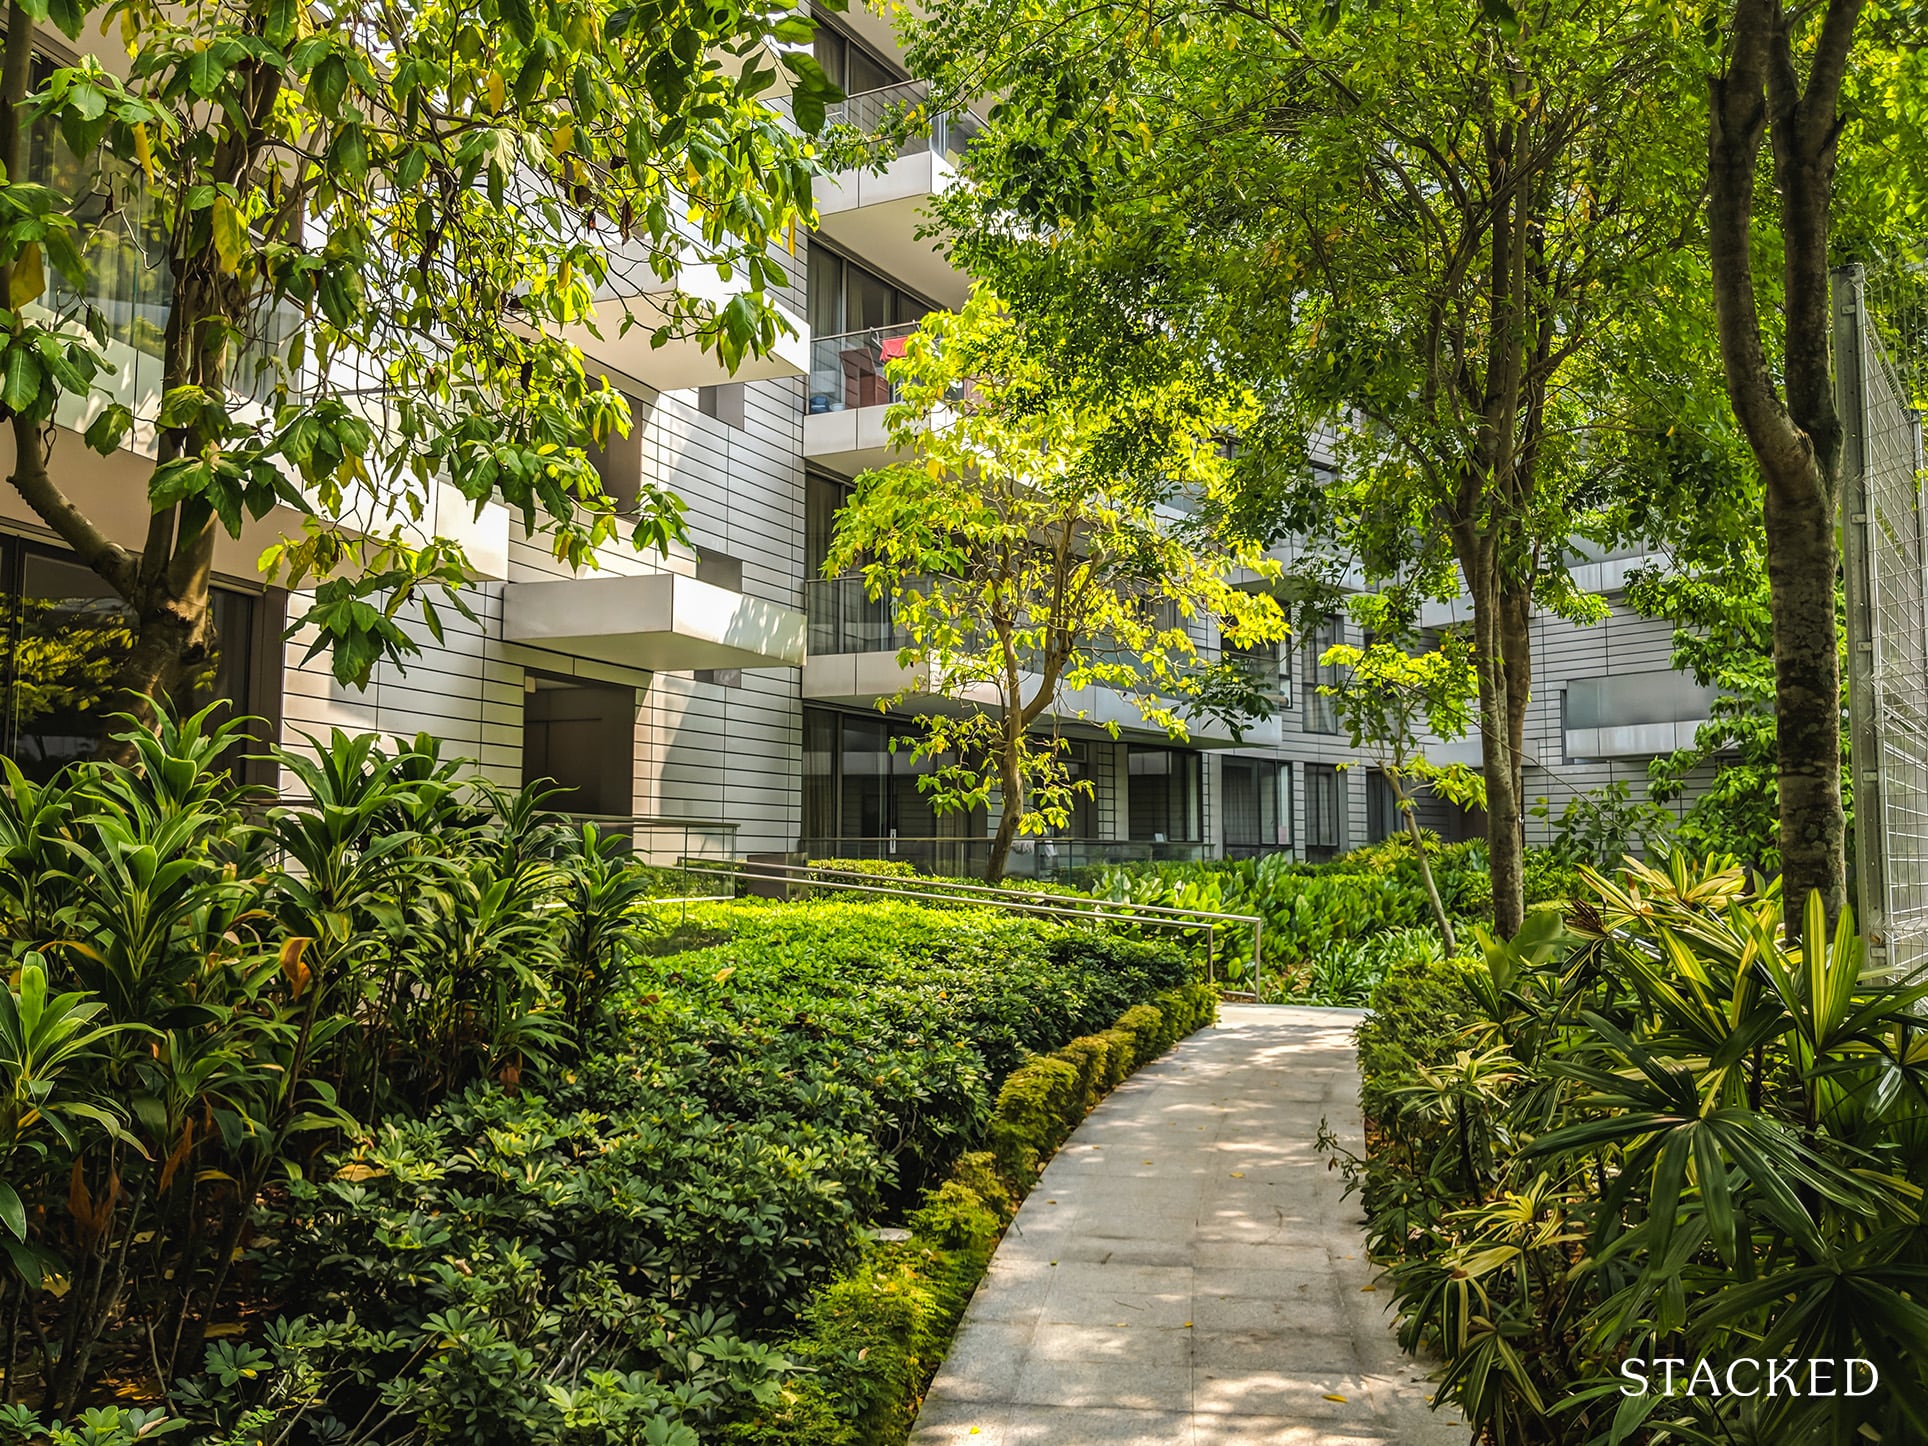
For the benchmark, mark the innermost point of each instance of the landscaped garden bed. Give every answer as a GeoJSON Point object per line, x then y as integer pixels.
{"type": "Point", "coordinates": [1650, 1129]}
{"type": "Point", "coordinates": [404, 1116]}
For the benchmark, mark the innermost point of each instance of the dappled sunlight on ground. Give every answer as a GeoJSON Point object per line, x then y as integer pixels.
{"type": "Point", "coordinates": [1188, 1272]}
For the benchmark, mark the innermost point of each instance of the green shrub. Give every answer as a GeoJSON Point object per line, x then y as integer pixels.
{"type": "Point", "coordinates": [1314, 913]}
{"type": "Point", "coordinates": [256, 979]}
{"type": "Point", "coordinates": [1418, 1014]}
{"type": "Point", "coordinates": [879, 871]}
{"type": "Point", "coordinates": [1550, 878]}
{"type": "Point", "coordinates": [622, 1250]}
{"type": "Point", "coordinates": [1653, 1130]}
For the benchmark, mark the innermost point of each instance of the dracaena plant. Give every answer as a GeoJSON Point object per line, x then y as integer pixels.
{"type": "Point", "coordinates": [204, 993]}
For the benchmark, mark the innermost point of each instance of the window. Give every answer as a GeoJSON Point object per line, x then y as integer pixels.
{"type": "Point", "coordinates": [1083, 823]}
{"type": "Point", "coordinates": [1320, 716]}
{"type": "Point", "coordinates": [1252, 806]}
{"type": "Point", "coordinates": [842, 617]}
{"type": "Point", "coordinates": [860, 794]}
{"type": "Point", "coordinates": [851, 67]}
{"type": "Point", "coordinates": [1325, 833]}
{"type": "Point", "coordinates": [819, 774]}
{"type": "Point", "coordinates": [582, 737]}
{"type": "Point", "coordinates": [1382, 809]}
{"type": "Point", "coordinates": [1163, 788]}
{"type": "Point", "coordinates": [823, 499]}
{"type": "Point", "coordinates": [845, 297]}
{"type": "Point", "coordinates": [1263, 666]}
{"type": "Point", "coordinates": [64, 634]}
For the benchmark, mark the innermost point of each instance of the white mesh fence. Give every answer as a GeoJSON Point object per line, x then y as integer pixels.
{"type": "Point", "coordinates": [1883, 367]}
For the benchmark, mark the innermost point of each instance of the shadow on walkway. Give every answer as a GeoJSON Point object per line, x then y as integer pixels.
{"type": "Point", "coordinates": [1188, 1272]}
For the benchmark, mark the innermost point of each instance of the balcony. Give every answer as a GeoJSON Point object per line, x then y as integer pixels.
{"type": "Point", "coordinates": [875, 214]}
{"type": "Point", "coordinates": [853, 647]}
{"type": "Point", "coordinates": [1633, 715]}
{"type": "Point", "coordinates": [659, 622]}
{"type": "Point", "coordinates": [847, 397]}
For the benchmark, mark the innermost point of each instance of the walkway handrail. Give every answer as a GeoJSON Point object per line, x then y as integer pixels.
{"type": "Point", "coordinates": [1165, 916]}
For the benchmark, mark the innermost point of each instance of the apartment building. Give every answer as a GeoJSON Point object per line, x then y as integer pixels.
{"type": "Point", "coordinates": [725, 700]}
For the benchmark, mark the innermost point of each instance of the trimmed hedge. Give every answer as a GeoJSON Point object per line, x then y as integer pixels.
{"type": "Point", "coordinates": [871, 1341]}
{"type": "Point", "coordinates": [1419, 1012]}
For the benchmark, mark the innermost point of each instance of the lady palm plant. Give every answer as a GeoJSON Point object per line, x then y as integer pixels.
{"type": "Point", "coordinates": [1700, 1143]}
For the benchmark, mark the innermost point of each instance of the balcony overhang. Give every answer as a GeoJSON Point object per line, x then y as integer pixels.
{"type": "Point", "coordinates": [854, 440]}
{"type": "Point", "coordinates": [876, 215]}
{"type": "Point", "coordinates": [850, 440]}
{"type": "Point", "coordinates": [864, 680]}
{"type": "Point", "coordinates": [681, 361]}
{"type": "Point", "coordinates": [1632, 740]}
{"type": "Point", "coordinates": [661, 622]}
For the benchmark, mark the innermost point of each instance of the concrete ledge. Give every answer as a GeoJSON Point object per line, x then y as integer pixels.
{"type": "Point", "coordinates": [662, 622]}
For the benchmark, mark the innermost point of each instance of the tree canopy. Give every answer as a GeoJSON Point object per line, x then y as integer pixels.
{"type": "Point", "coordinates": [378, 224]}
{"type": "Point", "coordinates": [1049, 532]}
{"type": "Point", "coordinates": [1457, 276]}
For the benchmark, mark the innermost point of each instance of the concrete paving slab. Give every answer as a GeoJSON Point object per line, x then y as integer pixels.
{"type": "Point", "coordinates": [1188, 1272]}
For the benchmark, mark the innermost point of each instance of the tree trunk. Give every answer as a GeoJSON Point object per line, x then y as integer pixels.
{"type": "Point", "coordinates": [174, 641]}
{"type": "Point", "coordinates": [1011, 781]}
{"type": "Point", "coordinates": [1503, 670]}
{"type": "Point", "coordinates": [1796, 439]}
{"type": "Point", "coordinates": [1007, 832]}
{"type": "Point", "coordinates": [1802, 560]}
{"type": "Point", "coordinates": [1498, 764]}
{"type": "Point", "coordinates": [1425, 864]}
{"type": "Point", "coordinates": [1515, 612]}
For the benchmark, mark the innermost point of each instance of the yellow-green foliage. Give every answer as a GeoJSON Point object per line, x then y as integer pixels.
{"type": "Point", "coordinates": [873, 1339]}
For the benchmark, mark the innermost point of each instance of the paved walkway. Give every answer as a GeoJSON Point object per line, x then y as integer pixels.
{"type": "Point", "coordinates": [1187, 1272]}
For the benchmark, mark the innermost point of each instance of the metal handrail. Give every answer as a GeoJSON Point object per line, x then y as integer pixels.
{"type": "Point", "coordinates": [1166, 916]}
{"type": "Point", "coordinates": [616, 823]}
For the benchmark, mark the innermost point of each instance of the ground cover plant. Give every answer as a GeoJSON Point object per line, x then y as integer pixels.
{"type": "Point", "coordinates": [398, 1116]}
{"type": "Point", "coordinates": [614, 1256]}
{"type": "Point", "coordinates": [1655, 1128]}
{"type": "Point", "coordinates": [869, 1343]}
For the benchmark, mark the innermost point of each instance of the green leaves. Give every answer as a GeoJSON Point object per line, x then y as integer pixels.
{"type": "Point", "coordinates": [109, 429]}
{"type": "Point", "coordinates": [20, 389]}
{"type": "Point", "coordinates": [13, 1214]}
{"type": "Point", "coordinates": [230, 235]}
{"type": "Point", "coordinates": [29, 277]}
{"type": "Point", "coordinates": [309, 198]}
{"type": "Point", "coordinates": [1032, 547]}
{"type": "Point", "coordinates": [1721, 1114]}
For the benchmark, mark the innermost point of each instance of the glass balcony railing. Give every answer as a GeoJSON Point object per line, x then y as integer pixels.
{"type": "Point", "coordinates": [842, 620]}
{"type": "Point", "coordinates": [1262, 666]}
{"type": "Point", "coordinates": [947, 133]}
{"type": "Point", "coordinates": [847, 371]}
{"type": "Point", "coordinates": [129, 284]}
